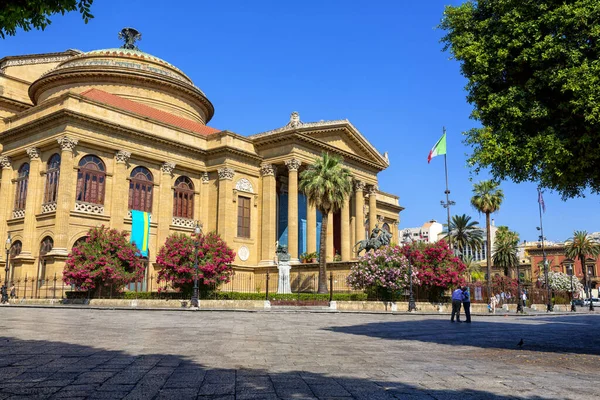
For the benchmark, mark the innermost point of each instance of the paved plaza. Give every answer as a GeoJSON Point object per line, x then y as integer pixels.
{"type": "Point", "coordinates": [111, 354]}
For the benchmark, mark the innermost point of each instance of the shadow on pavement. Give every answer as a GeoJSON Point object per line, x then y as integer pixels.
{"type": "Point", "coordinates": [52, 370]}
{"type": "Point", "coordinates": [570, 334]}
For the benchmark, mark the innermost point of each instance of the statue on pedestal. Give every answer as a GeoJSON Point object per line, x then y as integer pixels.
{"type": "Point", "coordinates": [283, 266]}
{"type": "Point", "coordinates": [378, 238]}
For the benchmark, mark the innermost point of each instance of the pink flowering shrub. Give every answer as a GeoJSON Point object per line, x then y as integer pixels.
{"type": "Point", "coordinates": [385, 268]}
{"type": "Point", "coordinates": [438, 268]}
{"type": "Point", "coordinates": [176, 260]}
{"type": "Point", "coordinates": [106, 258]}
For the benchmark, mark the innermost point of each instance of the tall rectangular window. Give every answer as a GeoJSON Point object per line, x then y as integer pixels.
{"type": "Point", "coordinates": [243, 229]}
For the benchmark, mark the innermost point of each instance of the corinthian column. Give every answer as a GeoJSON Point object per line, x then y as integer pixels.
{"type": "Point", "coordinates": [5, 188]}
{"type": "Point", "coordinates": [345, 234]}
{"type": "Point", "coordinates": [165, 206]}
{"type": "Point", "coordinates": [269, 214]}
{"type": "Point", "coordinates": [359, 203]}
{"type": "Point", "coordinates": [372, 207]}
{"type": "Point", "coordinates": [120, 189]}
{"type": "Point", "coordinates": [226, 213]}
{"type": "Point", "coordinates": [65, 198]}
{"type": "Point", "coordinates": [34, 189]}
{"type": "Point", "coordinates": [293, 166]}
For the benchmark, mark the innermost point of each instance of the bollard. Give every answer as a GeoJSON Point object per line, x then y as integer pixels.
{"type": "Point", "coordinates": [330, 287]}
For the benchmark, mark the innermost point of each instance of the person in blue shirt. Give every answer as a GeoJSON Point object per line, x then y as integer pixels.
{"type": "Point", "coordinates": [457, 297]}
{"type": "Point", "coordinates": [466, 303]}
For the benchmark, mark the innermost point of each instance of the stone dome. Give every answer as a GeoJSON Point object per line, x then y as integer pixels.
{"type": "Point", "coordinates": [131, 74]}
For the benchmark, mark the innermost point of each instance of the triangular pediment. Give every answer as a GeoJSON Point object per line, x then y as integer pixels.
{"type": "Point", "coordinates": [349, 140]}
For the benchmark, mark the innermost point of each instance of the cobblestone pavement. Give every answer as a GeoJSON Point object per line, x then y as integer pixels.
{"type": "Point", "coordinates": [108, 354]}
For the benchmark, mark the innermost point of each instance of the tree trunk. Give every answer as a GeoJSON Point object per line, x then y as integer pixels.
{"type": "Point", "coordinates": [323, 254]}
{"type": "Point", "coordinates": [488, 255]}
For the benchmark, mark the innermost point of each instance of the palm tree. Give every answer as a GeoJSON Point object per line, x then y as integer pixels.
{"type": "Point", "coordinates": [487, 198]}
{"type": "Point", "coordinates": [473, 268]}
{"type": "Point", "coordinates": [465, 233]}
{"type": "Point", "coordinates": [506, 247]}
{"type": "Point", "coordinates": [326, 184]}
{"type": "Point", "coordinates": [581, 245]}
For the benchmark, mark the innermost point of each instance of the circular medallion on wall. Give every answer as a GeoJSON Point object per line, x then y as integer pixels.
{"type": "Point", "coordinates": [243, 253]}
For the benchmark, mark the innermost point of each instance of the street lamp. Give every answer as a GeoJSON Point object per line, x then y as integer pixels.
{"type": "Point", "coordinates": [411, 300]}
{"type": "Point", "coordinates": [197, 231]}
{"type": "Point", "coordinates": [520, 299]}
{"type": "Point", "coordinates": [570, 267]}
{"type": "Point", "coordinates": [540, 228]}
{"type": "Point", "coordinates": [7, 246]}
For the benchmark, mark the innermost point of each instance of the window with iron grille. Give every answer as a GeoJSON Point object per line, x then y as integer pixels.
{"type": "Point", "coordinates": [22, 182]}
{"type": "Point", "coordinates": [15, 249]}
{"type": "Point", "coordinates": [183, 198]}
{"type": "Point", "coordinates": [91, 180]}
{"type": "Point", "coordinates": [52, 175]}
{"type": "Point", "coordinates": [243, 229]}
{"type": "Point", "coordinates": [140, 189]}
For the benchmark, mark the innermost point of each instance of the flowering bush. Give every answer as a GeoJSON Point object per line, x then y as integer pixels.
{"type": "Point", "coordinates": [561, 282]}
{"type": "Point", "coordinates": [106, 258]}
{"type": "Point", "coordinates": [176, 260]}
{"type": "Point", "coordinates": [385, 268]}
{"type": "Point", "coordinates": [436, 264]}
{"type": "Point", "coordinates": [501, 283]}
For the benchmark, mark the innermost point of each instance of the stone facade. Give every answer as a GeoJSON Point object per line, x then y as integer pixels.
{"type": "Point", "coordinates": [139, 113]}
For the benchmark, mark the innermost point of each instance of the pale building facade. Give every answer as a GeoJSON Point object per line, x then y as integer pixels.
{"type": "Point", "coordinates": [429, 232]}
{"type": "Point", "coordinates": [87, 137]}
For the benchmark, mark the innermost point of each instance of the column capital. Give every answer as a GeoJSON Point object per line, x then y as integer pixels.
{"type": "Point", "coordinates": [267, 170]}
{"type": "Point", "coordinates": [5, 162]}
{"type": "Point", "coordinates": [34, 153]}
{"type": "Point", "coordinates": [293, 164]}
{"type": "Point", "coordinates": [67, 143]}
{"type": "Point", "coordinates": [205, 178]}
{"type": "Point", "coordinates": [122, 157]}
{"type": "Point", "coordinates": [359, 186]}
{"type": "Point", "coordinates": [167, 167]}
{"type": "Point", "coordinates": [226, 173]}
{"type": "Point", "coordinates": [372, 189]}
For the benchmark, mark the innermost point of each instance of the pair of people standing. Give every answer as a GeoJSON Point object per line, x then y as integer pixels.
{"type": "Point", "coordinates": [461, 296]}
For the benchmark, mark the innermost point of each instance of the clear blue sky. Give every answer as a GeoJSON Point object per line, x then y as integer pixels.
{"type": "Point", "coordinates": [379, 64]}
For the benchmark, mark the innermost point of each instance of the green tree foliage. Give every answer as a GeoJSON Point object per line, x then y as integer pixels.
{"type": "Point", "coordinates": [533, 70]}
{"type": "Point", "coordinates": [326, 184]}
{"type": "Point", "coordinates": [473, 269]}
{"type": "Point", "coordinates": [465, 233]}
{"type": "Point", "coordinates": [582, 246]}
{"type": "Point", "coordinates": [506, 249]}
{"type": "Point", "coordinates": [487, 198]}
{"type": "Point", "coordinates": [34, 14]}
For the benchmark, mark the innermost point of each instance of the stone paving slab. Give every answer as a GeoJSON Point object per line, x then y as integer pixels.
{"type": "Point", "coordinates": [118, 354]}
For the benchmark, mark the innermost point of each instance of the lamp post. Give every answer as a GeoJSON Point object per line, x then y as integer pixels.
{"type": "Point", "coordinates": [571, 277]}
{"type": "Point", "coordinates": [540, 228]}
{"type": "Point", "coordinates": [7, 246]}
{"type": "Point", "coordinates": [411, 300]}
{"type": "Point", "coordinates": [520, 299]}
{"type": "Point", "coordinates": [197, 231]}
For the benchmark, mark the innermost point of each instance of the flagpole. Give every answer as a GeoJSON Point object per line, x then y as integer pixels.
{"type": "Point", "coordinates": [448, 203]}
{"type": "Point", "coordinates": [545, 261]}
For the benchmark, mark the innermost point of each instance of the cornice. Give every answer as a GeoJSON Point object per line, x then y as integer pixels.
{"type": "Point", "coordinates": [43, 58]}
{"type": "Point", "coordinates": [389, 205]}
{"type": "Point", "coordinates": [232, 150]}
{"type": "Point", "coordinates": [83, 75]}
{"type": "Point", "coordinates": [16, 105]}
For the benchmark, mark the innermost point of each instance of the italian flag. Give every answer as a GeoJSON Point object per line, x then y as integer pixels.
{"type": "Point", "coordinates": [438, 149]}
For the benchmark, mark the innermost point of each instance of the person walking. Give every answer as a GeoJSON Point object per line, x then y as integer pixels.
{"type": "Point", "coordinates": [13, 292]}
{"type": "Point", "coordinates": [457, 297]}
{"type": "Point", "coordinates": [493, 303]}
{"type": "Point", "coordinates": [524, 297]}
{"type": "Point", "coordinates": [466, 303]}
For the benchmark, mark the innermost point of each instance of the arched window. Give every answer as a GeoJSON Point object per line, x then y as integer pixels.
{"type": "Point", "coordinates": [22, 181]}
{"type": "Point", "coordinates": [15, 249]}
{"type": "Point", "coordinates": [79, 241]}
{"type": "Point", "coordinates": [140, 189]}
{"type": "Point", "coordinates": [183, 201]}
{"type": "Point", "coordinates": [52, 174]}
{"type": "Point", "coordinates": [91, 180]}
{"type": "Point", "coordinates": [45, 248]}
{"type": "Point", "coordinates": [386, 227]}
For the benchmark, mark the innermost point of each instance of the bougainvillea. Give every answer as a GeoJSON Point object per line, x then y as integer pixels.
{"type": "Point", "coordinates": [560, 281]}
{"type": "Point", "coordinates": [106, 258]}
{"type": "Point", "coordinates": [385, 268]}
{"type": "Point", "coordinates": [176, 260]}
{"type": "Point", "coordinates": [436, 264]}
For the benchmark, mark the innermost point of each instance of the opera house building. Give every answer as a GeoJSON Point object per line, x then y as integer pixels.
{"type": "Point", "coordinates": [86, 137]}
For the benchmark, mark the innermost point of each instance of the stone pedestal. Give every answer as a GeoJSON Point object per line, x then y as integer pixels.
{"type": "Point", "coordinates": [284, 278]}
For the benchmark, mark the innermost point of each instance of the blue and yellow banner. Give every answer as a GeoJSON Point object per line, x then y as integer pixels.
{"type": "Point", "coordinates": [140, 230]}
